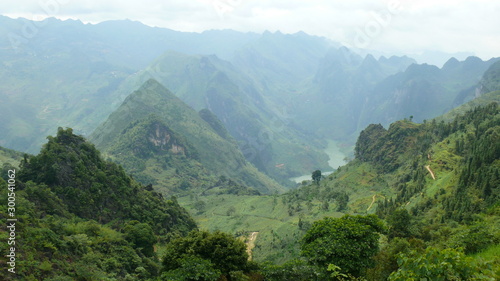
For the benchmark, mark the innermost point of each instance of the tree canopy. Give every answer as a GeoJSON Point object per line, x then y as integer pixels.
{"type": "Point", "coordinates": [220, 251]}
{"type": "Point", "coordinates": [348, 242]}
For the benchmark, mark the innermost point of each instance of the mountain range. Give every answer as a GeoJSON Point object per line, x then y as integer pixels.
{"type": "Point", "coordinates": [179, 149]}
{"type": "Point", "coordinates": [280, 96]}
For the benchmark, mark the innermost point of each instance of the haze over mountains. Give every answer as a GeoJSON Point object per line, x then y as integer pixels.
{"type": "Point", "coordinates": [186, 155]}
{"type": "Point", "coordinates": [280, 96]}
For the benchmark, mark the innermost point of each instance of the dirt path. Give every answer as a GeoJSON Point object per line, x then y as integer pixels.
{"type": "Point", "coordinates": [373, 201]}
{"type": "Point", "coordinates": [251, 244]}
{"type": "Point", "coordinates": [430, 171]}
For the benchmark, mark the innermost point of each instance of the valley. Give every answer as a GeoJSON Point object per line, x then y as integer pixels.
{"type": "Point", "coordinates": [336, 157]}
{"type": "Point", "coordinates": [226, 155]}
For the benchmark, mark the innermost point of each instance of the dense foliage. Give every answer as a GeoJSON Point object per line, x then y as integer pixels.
{"type": "Point", "coordinates": [95, 189]}
{"type": "Point", "coordinates": [349, 242]}
{"type": "Point", "coordinates": [437, 264]}
{"type": "Point", "coordinates": [82, 218]}
{"type": "Point", "coordinates": [217, 252]}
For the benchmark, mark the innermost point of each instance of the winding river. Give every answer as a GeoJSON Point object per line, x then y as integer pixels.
{"type": "Point", "coordinates": [336, 160]}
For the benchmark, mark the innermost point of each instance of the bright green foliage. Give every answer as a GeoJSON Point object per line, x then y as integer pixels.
{"type": "Point", "coordinates": [297, 270]}
{"type": "Point", "coordinates": [436, 264]}
{"type": "Point", "coordinates": [141, 235]}
{"type": "Point", "coordinates": [52, 247]}
{"type": "Point", "coordinates": [222, 250]}
{"type": "Point", "coordinates": [95, 189]}
{"type": "Point", "coordinates": [349, 242]}
{"type": "Point", "coordinates": [64, 197]}
{"type": "Point", "coordinates": [386, 260]}
{"type": "Point", "coordinates": [384, 148]}
{"type": "Point", "coordinates": [477, 237]}
{"type": "Point", "coordinates": [192, 268]}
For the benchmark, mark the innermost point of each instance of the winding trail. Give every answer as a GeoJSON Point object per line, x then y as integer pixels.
{"type": "Point", "coordinates": [373, 201]}
{"type": "Point", "coordinates": [251, 244]}
{"type": "Point", "coordinates": [430, 171]}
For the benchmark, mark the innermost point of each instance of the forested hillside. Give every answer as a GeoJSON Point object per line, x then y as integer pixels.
{"type": "Point", "coordinates": [435, 184]}
{"type": "Point", "coordinates": [160, 139]}
{"type": "Point", "coordinates": [174, 157]}
{"type": "Point", "coordinates": [80, 217]}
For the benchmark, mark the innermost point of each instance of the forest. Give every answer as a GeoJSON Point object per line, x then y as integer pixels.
{"type": "Point", "coordinates": [80, 217]}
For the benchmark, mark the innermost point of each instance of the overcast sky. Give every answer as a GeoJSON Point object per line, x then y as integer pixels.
{"type": "Point", "coordinates": [404, 26]}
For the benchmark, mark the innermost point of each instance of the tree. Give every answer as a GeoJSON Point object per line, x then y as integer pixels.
{"type": "Point", "coordinates": [399, 223]}
{"type": "Point", "coordinates": [230, 211]}
{"type": "Point", "coordinates": [142, 237]}
{"type": "Point", "coordinates": [437, 264]}
{"type": "Point", "coordinates": [200, 206]}
{"type": "Point", "coordinates": [296, 270]}
{"type": "Point", "coordinates": [224, 252]}
{"type": "Point", "coordinates": [192, 268]}
{"type": "Point", "coordinates": [316, 176]}
{"type": "Point", "coordinates": [348, 242]}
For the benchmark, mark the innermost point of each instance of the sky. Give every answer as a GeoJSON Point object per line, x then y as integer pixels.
{"type": "Point", "coordinates": [392, 26]}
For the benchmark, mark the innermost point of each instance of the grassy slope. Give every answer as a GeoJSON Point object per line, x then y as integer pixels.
{"type": "Point", "coordinates": [268, 215]}
{"type": "Point", "coordinates": [365, 184]}
{"type": "Point", "coordinates": [8, 156]}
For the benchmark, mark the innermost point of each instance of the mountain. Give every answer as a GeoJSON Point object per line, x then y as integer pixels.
{"type": "Point", "coordinates": [154, 121]}
{"type": "Point", "coordinates": [83, 217]}
{"type": "Point", "coordinates": [282, 97]}
{"type": "Point", "coordinates": [264, 132]}
{"type": "Point", "coordinates": [435, 184]}
{"type": "Point", "coordinates": [339, 90]}
{"type": "Point", "coordinates": [424, 91]}
{"type": "Point", "coordinates": [483, 93]}
{"type": "Point", "coordinates": [276, 59]}
{"type": "Point", "coordinates": [65, 73]}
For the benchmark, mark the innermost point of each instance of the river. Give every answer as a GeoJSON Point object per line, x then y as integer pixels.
{"type": "Point", "coordinates": [336, 160]}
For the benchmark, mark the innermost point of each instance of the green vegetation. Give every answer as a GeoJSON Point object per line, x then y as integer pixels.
{"type": "Point", "coordinates": [86, 219]}
{"type": "Point", "coordinates": [92, 188]}
{"type": "Point", "coordinates": [391, 177]}
{"type": "Point", "coordinates": [218, 252]}
{"type": "Point", "coordinates": [437, 264]}
{"type": "Point", "coordinates": [419, 201]}
{"type": "Point", "coordinates": [348, 242]}
{"type": "Point", "coordinates": [172, 145]}
{"type": "Point", "coordinates": [82, 218]}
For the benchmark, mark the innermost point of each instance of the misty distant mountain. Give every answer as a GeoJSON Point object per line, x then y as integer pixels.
{"type": "Point", "coordinates": [280, 96]}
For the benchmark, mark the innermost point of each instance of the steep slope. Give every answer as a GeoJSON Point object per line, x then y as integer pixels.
{"type": "Point", "coordinates": [266, 134]}
{"type": "Point", "coordinates": [95, 189]}
{"type": "Point", "coordinates": [79, 217]}
{"type": "Point", "coordinates": [204, 144]}
{"type": "Point", "coordinates": [484, 93]}
{"type": "Point", "coordinates": [424, 91]}
{"type": "Point", "coordinates": [66, 73]}
{"type": "Point", "coordinates": [276, 59]}
{"type": "Point", "coordinates": [339, 91]}
{"type": "Point", "coordinates": [444, 175]}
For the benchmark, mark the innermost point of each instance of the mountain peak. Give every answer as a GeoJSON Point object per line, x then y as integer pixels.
{"type": "Point", "coordinates": [451, 63]}
{"type": "Point", "coordinates": [175, 119]}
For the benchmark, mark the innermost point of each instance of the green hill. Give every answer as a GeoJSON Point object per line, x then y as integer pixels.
{"type": "Point", "coordinates": [445, 175]}
{"type": "Point", "coordinates": [10, 157]}
{"type": "Point", "coordinates": [264, 130]}
{"type": "Point", "coordinates": [486, 92]}
{"type": "Point", "coordinates": [132, 136]}
{"type": "Point", "coordinates": [79, 217]}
